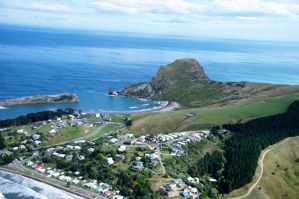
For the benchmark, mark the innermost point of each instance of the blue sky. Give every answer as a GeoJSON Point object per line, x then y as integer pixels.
{"type": "Point", "coordinates": [240, 19]}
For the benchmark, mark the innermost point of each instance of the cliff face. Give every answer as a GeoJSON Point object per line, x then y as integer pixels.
{"type": "Point", "coordinates": [185, 81]}
{"type": "Point", "coordinates": [168, 76]}
{"type": "Point", "coordinates": [37, 99]}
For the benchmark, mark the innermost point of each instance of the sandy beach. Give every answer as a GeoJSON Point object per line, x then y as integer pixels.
{"type": "Point", "coordinates": [169, 107]}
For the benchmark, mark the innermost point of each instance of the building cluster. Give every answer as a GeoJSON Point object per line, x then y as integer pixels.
{"type": "Point", "coordinates": [178, 187]}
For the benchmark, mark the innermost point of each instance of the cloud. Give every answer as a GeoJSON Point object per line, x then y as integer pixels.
{"type": "Point", "coordinates": [57, 8]}
{"type": "Point", "coordinates": [221, 8]}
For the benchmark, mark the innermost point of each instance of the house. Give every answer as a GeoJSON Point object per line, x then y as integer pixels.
{"type": "Point", "coordinates": [142, 139]}
{"type": "Point", "coordinates": [37, 142]}
{"type": "Point", "coordinates": [165, 191]}
{"type": "Point", "coordinates": [79, 141]}
{"type": "Point", "coordinates": [137, 167]}
{"type": "Point", "coordinates": [113, 140]}
{"type": "Point", "coordinates": [185, 194]}
{"type": "Point", "coordinates": [98, 115]}
{"type": "Point", "coordinates": [193, 190]}
{"type": "Point", "coordinates": [129, 135]}
{"type": "Point", "coordinates": [130, 142]}
{"type": "Point", "coordinates": [69, 157]}
{"type": "Point", "coordinates": [118, 197]}
{"type": "Point", "coordinates": [53, 132]}
{"type": "Point", "coordinates": [172, 186]}
{"type": "Point", "coordinates": [107, 193]}
{"type": "Point", "coordinates": [180, 153]}
{"type": "Point", "coordinates": [178, 181]}
{"type": "Point", "coordinates": [35, 136]}
{"type": "Point", "coordinates": [77, 173]}
{"type": "Point", "coordinates": [122, 148]}
{"type": "Point", "coordinates": [90, 150]}
{"type": "Point", "coordinates": [152, 156]}
{"type": "Point", "coordinates": [107, 118]}
{"type": "Point", "coordinates": [29, 163]}
{"type": "Point", "coordinates": [77, 147]}
{"type": "Point", "coordinates": [153, 163]}
{"type": "Point", "coordinates": [138, 159]}
{"type": "Point", "coordinates": [21, 131]}
{"type": "Point", "coordinates": [99, 121]}
{"type": "Point", "coordinates": [75, 181]}
{"type": "Point", "coordinates": [110, 161]}
{"type": "Point", "coordinates": [212, 180]}
{"type": "Point", "coordinates": [174, 151]}
{"type": "Point", "coordinates": [121, 156]}
{"type": "Point", "coordinates": [81, 157]}
{"type": "Point", "coordinates": [39, 166]}
{"type": "Point", "coordinates": [99, 188]}
{"type": "Point", "coordinates": [34, 153]}
{"type": "Point", "coordinates": [152, 147]}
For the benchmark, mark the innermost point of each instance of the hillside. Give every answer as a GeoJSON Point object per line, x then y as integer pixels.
{"type": "Point", "coordinates": [185, 81]}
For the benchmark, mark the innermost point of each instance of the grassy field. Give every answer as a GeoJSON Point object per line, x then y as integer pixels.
{"type": "Point", "coordinates": [69, 133]}
{"type": "Point", "coordinates": [281, 171]}
{"type": "Point", "coordinates": [280, 178]}
{"type": "Point", "coordinates": [155, 123]}
{"type": "Point", "coordinates": [108, 129]}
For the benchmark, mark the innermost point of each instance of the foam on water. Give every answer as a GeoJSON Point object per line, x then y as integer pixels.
{"type": "Point", "coordinates": [17, 186]}
{"type": "Point", "coordinates": [2, 107]}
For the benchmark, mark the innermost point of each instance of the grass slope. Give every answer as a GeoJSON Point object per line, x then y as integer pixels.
{"type": "Point", "coordinates": [281, 174]}
{"type": "Point", "coordinates": [155, 123]}
{"type": "Point", "coordinates": [280, 178]}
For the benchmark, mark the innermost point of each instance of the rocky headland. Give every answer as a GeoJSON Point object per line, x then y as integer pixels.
{"type": "Point", "coordinates": [185, 81]}
{"type": "Point", "coordinates": [38, 99]}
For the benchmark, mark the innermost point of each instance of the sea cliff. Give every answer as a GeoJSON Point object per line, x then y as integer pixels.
{"type": "Point", "coordinates": [38, 99]}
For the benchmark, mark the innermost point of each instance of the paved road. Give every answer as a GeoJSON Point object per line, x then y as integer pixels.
{"type": "Point", "coordinates": [261, 162]}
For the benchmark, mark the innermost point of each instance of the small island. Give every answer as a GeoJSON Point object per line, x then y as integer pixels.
{"type": "Point", "coordinates": [38, 99]}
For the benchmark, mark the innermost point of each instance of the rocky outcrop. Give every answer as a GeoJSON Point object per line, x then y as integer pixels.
{"type": "Point", "coordinates": [179, 71]}
{"type": "Point", "coordinates": [37, 99]}
{"type": "Point", "coordinates": [185, 81]}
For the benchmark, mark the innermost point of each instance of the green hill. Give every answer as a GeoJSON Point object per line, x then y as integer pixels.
{"type": "Point", "coordinates": [185, 81]}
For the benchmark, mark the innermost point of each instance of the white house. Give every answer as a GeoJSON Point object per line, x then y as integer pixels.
{"type": "Point", "coordinates": [122, 148]}
{"type": "Point", "coordinates": [110, 161]}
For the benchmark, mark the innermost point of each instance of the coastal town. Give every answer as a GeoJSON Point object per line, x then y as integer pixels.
{"type": "Point", "coordinates": [87, 165]}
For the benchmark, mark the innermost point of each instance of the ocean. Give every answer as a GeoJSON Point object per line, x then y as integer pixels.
{"type": "Point", "coordinates": [89, 63]}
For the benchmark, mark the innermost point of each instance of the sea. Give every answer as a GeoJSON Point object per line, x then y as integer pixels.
{"type": "Point", "coordinates": [90, 63]}
{"type": "Point", "coordinates": [36, 60]}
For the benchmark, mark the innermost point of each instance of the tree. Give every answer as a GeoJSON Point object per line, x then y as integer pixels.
{"type": "Point", "coordinates": [2, 142]}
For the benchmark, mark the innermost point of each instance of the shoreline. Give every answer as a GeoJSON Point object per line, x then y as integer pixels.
{"type": "Point", "coordinates": [66, 189]}
{"type": "Point", "coordinates": [170, 106]}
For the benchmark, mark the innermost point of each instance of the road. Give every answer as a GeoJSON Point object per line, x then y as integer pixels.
{"type": "Point", "coordinates": [261, 162]}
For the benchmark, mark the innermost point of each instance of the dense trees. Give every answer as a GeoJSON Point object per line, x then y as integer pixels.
{"type": "Point", "coordinates": [2, 142]}
{"type": "Point", "coordinates": [243, 149]}
{"type": "Point", "coordinates": [6, 159]}
{"type": "Point", "coordinates": [34, 117]}
{"type": "Point", "coordinates": [210, 164]}
{"type": "Point", "coordinates": [135, 185]}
